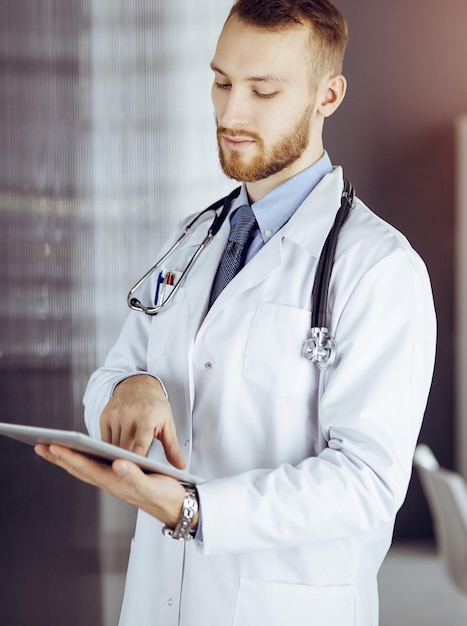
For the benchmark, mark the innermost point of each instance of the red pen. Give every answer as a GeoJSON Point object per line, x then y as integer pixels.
{"type": "Point", "coordinates": [168, 280]}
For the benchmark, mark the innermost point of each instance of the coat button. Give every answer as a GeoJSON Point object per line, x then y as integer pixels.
{"type": "Point", "coordinates": [170, 601]}
{"type": "Point", "coordinates": [208, 365]}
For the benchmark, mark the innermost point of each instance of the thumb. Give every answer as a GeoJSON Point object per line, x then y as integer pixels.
{"type": "Point", "coordinates": [123, 468]}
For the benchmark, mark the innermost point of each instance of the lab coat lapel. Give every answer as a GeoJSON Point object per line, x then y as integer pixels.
{"type": "Point", "coordinates": [267, 260]}
{"type": "Point", "coordinates": [199, 282]}
{"type": "Point", "coordinates": [204, 271]}
{"type": "Point", "coordinates": [307, 230]}
{"type": "Point", "coordinates": [311, 223]}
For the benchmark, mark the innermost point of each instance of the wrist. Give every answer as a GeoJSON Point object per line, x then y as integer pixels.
{"type": "Point", "coordinates": [185, 527]}
{"type": "Point", "coordinates": [137, 378]}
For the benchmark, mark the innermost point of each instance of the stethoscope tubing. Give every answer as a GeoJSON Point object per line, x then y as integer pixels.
{"type": "Point", "coordinates": [326, 261]}
{"type": "Point", "coordinates": [214, 228]}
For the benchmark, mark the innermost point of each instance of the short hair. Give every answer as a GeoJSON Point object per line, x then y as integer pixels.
{"type": "Point", "coordinates": [327, 24]}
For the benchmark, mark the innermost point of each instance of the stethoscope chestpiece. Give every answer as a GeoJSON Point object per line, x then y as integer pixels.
{"type": "Point", "coordinates": [320, 347]}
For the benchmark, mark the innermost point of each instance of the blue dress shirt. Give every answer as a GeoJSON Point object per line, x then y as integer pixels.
{"type": "Point", "coordinates": [274, 209]}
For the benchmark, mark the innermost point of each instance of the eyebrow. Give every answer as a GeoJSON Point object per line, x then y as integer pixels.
{"type": "Point", "coordinates": [266, 78]}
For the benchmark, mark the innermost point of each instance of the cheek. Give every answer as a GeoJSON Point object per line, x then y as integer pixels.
{"type": "Point", "coordinates": [273, 125]}
{"type": "Point", "coordinates": [286, 121]}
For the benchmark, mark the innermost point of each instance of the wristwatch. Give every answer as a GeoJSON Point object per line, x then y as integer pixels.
{"type": "Point", "coordinates": [182, 531]}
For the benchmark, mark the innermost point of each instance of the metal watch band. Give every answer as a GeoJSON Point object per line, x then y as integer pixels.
{"type": "Point", "coordinates": [182, 531]}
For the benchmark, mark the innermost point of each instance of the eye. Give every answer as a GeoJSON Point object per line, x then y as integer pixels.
{"type": "Point", "coordinates": [222, 85]}
{"type": "Point", "coordinates": [265, 95]}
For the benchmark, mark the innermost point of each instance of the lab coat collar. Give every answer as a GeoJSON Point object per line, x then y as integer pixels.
{"type": "Point", "coordinates": [311, 223]}
{"type": "Point", "coordinates": [318, 211]}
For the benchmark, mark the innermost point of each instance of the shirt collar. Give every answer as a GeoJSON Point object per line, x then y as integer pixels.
{"type": "Point", "coordinates": [274, 209]}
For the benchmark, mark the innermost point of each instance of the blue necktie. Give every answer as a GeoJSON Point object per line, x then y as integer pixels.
{"type": "Point", "coordinates": [242, 226]}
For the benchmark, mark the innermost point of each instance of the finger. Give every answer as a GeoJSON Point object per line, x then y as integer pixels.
{"type": "Point", "coordinates": [77, 465]}
{"type": "Point", "coordinates": [116, 435]}
{"type": "Point", "coordinates": [41, 450]}
{"type": "Point", "coordinates": [123, 479]}
{"type": "Point", "coordinates": [158, 495]}
{"type": "Point", "coordinates": [120, 484]}
{"type": "Point", "coordinates": [110, 426]}
{"type": "Point", "coordinates": [142, 440]}
{"type": "Point", "coordinates": [172, 450]}
{"type": "Point", "coordinates": [106, 432]}
{"type": "Point", "coordinates": [152, 493]}
{"type": "Point", "coordinates": [134, 486]}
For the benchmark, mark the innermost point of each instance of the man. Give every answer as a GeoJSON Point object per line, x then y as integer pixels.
{"type": "Point", "coordinates": [305, 469]}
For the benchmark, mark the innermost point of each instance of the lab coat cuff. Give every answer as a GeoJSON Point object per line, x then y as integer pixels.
{"type": "Point", "coordinates": [129, 375]}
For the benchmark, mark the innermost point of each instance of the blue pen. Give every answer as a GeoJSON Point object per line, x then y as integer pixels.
{"type": "Point", "coordinates": [160, 280]}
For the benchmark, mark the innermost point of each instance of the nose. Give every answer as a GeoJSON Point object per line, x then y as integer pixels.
{"type": "Point", "coordinates": [230, 106]}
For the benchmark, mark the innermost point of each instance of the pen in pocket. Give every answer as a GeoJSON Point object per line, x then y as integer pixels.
{"type": "Point", "coordinates": [160, 279]}
{"type": "Point", "coordinates": [165, 279]}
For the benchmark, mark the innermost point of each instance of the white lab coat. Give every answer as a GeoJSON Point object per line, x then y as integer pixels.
{"type": "Point", "coordinates": [305, 469]}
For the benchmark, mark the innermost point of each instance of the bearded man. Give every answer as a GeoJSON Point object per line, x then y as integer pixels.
{"type": "Point", "coordinates": [303, 468]}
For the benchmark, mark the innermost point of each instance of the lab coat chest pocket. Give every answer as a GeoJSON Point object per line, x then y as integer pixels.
{"type": "Point", "coordinates": [274, 357]}
{"type": "Point", "coordinates": [162, 326]}
{"type": "Point", "coordinates": [279, 604]}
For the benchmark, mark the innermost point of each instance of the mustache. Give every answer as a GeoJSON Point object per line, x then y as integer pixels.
{"type": "Point", "coordinates": [236, 132]}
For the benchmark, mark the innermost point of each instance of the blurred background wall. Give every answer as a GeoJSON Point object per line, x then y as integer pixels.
{"type": "Point", "coordinates": [396, 136]}
{"type": "Point", "coordinates": [106, 141]}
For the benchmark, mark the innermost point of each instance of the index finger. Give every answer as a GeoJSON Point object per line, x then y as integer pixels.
{"type": "Point", "coordinates": [141, 440]}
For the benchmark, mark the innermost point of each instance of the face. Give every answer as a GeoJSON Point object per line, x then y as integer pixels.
{"type": "Point", "coordinates": [267, 126]}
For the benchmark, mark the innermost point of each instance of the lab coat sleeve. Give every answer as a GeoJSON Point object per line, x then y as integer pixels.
{"type": "Point", "coordinates": [128, 357]}
{"type": "Point", "coordinates": [370, 412]}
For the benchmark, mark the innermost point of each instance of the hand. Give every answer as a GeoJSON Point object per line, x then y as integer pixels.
{"type": "Point", "coordinates": [138, 413]}
{"type": "Point", "coordinates": [160, 496]}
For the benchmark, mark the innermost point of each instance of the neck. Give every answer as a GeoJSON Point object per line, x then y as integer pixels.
{"type": "Point", "coordinates": [260, 188]}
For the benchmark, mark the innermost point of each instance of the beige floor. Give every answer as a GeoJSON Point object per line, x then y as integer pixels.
{"type": "Point", "coordinates": [415, 591]}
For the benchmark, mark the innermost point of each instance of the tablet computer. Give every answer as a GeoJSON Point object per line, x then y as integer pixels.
{"type": "Point", "coordinates": [99, 450]}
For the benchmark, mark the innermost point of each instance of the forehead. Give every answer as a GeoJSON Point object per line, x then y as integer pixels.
{"type": "Point", "coordinates": [244, 51]}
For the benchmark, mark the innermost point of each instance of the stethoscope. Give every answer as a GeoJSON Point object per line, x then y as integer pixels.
{"type": "Point", "coordinates": [320, 347]}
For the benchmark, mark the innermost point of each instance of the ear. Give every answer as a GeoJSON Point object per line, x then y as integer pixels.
{"type": "Point", "coordinates": [331, 93]}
